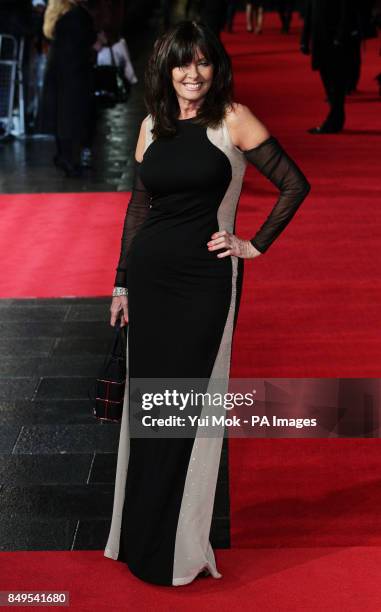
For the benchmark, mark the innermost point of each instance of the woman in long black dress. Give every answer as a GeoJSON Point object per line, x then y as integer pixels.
{"type": "Point", "coordinates": [182, 267]}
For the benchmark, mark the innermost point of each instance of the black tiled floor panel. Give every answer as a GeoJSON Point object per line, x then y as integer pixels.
{"type": "Point", "coordinates": [77, 438]}
{"type": "Point", "coordinates": [58, 463]}
{"type": "Point", "coordinates": [18, 533]}
{"type": "Point", "coordinates": [22, 387]}
{"type": "Point", "coordinates": [47, 469]}
{"type": "Point", "coordinates": [46, 412]}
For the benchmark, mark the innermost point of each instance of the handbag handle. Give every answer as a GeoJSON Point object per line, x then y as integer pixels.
{"type": "Point", "coordinates": [119, 334]}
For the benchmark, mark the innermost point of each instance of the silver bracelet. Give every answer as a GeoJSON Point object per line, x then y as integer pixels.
{"type": "Point", "coordinates": [117, 291]}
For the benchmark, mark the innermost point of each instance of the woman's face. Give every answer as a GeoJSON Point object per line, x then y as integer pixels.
{"type": "Point", "coordinates": [193, 81]}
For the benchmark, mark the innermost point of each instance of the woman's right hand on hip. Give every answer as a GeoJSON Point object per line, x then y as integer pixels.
{"type": "Point", "coordinates": [119, 308]}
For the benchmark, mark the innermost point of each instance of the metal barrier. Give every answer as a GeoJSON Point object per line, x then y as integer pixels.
{"type": "Point", "coordinates": [12, 115]}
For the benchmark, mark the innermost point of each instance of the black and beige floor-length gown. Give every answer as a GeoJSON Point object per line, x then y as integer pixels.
{"type": "Point", "coordinates": [183, 302]}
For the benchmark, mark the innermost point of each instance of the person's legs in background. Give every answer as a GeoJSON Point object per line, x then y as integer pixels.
{"type": "Point", "coordinates": [166, 13]}
{"type": "Point", "coordinates": [214, 14]}
{"type": "Point", "coordinates": [254, 13]}
{"type": "Point", "coordinates": [76, 120]}
{"type": "Point", "coordinates": [259, 12]}
{"type": "Point", "coordinates": [230, 12]}
{"type": "Point", "coordinates": [285, 9]}
{"type": "Point", "coordinates": [333, 73]}
{"type": "Point", "coordinates": [86, 146]}
{"type": "Point", "coordinates": [68, 156]}
{"type": "Point", "coordinates": [249, 17]}
{"type": "Point", "coordinates": [354, 64]}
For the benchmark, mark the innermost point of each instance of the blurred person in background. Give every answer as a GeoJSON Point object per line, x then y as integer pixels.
{"type": "Point", "coordinates": [115, 51]}
{"type": "Point", "coordinates": [254, 14]}
{"type": "Point", "coordinates": [285, 10]}
{"type": "Point", "coordinates": [166, 10]}
{"type": "Point", "coordinates": [68, 87]}
{"type": "Point", "coordinates": [192, 8]}
{"type": "Point", "coordinates": [376, 17]}
{"type": "Point", "coordinates": [330, 28]}
{"type": "Point", "coordinates": [213, 14]}
{"type": "Point", "coordinates": [230, 14]}
{"type": "Point", "coordinates": [37, 62]}
{"type": "Point", "coordinates": [55, 10]}
{"type": "Point", "coordinates": [365, 27]}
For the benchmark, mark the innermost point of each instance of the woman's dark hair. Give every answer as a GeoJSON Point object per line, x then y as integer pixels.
{"type": "Point", "coordinates": [178, 47]}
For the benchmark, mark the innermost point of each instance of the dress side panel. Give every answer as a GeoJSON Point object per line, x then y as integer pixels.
{"type": "Point", "coordinates": [193, 551]}
{"type": "Point", "coordinates": [113, 542]}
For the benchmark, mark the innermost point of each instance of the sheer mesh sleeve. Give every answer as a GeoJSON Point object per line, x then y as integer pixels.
{"type": "Point", "coordinates": [274, 163]}
{"type": "Point", "coordinates": [137, 211]}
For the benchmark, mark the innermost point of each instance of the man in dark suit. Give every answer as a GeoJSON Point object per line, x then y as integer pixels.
{"type": "Point", "coordinates": [330, 28]}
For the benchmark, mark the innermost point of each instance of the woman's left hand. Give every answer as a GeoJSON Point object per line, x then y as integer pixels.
{"type": "Point", "coordinates": [233, 245]}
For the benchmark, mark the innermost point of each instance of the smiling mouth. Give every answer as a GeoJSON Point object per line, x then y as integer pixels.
{"type": "Point", "coordinates": [192, 86]}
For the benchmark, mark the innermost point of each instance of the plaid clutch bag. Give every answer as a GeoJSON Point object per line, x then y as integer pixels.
{"type": "Point", "coordinates": [111, 382]}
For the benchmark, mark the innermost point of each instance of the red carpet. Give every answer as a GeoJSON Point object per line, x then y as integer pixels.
{"type": "Point", "coordinates": [60, 245]}
{"type": "Point", "coordinates": [288, 492]}
{"type": "Point", "coordinates": [267, 580]}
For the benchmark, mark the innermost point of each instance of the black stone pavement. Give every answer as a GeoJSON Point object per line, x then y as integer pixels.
{"type": "Point", "coordinates": [57, 462]}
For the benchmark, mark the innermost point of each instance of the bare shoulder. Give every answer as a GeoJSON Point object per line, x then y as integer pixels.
{"type": "Point", "coordinates": [140, 145]}
{"type": "Point", "coordinates": [237, 112]}
{"type": "Point", "coordinates": [245, 129]}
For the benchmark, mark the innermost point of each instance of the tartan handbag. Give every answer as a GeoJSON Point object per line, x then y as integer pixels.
{"type": "Point", "coordinates": [111, 382]}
